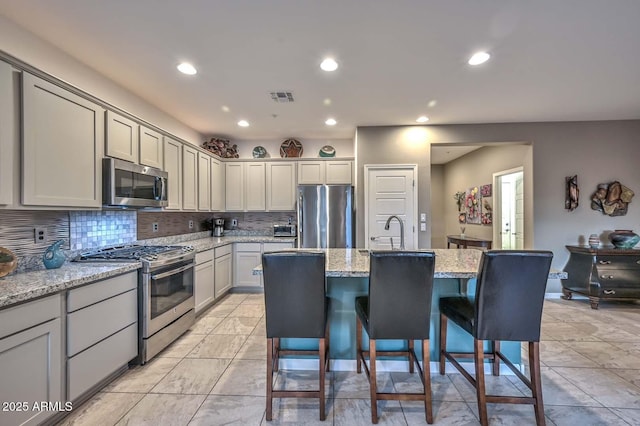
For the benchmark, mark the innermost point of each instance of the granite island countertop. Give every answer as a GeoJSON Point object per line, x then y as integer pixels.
{"type": "Point", "coordinates": [450, 263]}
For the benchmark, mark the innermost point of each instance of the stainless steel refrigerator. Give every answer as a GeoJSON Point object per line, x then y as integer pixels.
{"type": "Point", "coordinates": [325, 216]}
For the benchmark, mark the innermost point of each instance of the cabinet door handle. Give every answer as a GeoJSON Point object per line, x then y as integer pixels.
{"type": "Point", "coordinates": [638, 262]}
{"type": "Point", "coordinates": [609, 292]}
{"type": "Point", "coordinates": [605, 277]}
{"type": "Point", "coordinates": [605, 262]}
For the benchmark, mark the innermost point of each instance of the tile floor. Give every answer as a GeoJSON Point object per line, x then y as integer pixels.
{"type": "Point", "coordinates": [215, 375]}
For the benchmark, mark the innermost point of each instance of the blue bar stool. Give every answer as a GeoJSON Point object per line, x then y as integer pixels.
{"type": "Point", "coordinates": [507, 306]}
{"type": "Point", "coordinates": [398, 307]}
{"type": "Point", "coordinates": [295, 307]}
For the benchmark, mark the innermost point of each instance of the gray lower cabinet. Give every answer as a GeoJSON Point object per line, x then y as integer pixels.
{"type": "Point", "coordinates": [223, 270]}
{"type": "Point", "coordinates": [204, 280]}
{"type": "Point", "coordinates": [31, 361]}
{"type": "Point", "coordinates": [102, 331]}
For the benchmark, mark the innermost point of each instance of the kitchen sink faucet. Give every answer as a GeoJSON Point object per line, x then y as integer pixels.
{"type": "Point", "coordinates": [386, 228]}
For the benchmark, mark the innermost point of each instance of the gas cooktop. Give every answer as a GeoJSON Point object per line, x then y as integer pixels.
{"type": "Point", "coordinates": [148, 255]}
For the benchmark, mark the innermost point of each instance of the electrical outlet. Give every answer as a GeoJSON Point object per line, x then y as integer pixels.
{"type": "Point", "coordinates": [423, 217]}
{"type": "Point", "coordinates": [423, 226]}
{"type": "Point", "coordinates": [190, 224]}
{"type": "Point", "coordinates": [39, 235]}
{"type": "Point", "coordinates": [154, 226]}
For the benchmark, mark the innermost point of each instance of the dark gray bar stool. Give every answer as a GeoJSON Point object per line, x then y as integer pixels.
{"type": "Point", "coordinates": [508, 306]}
{"type": "Point", "coordinates": [398, 307]}
{"type": "Point", "coordinates": [295, 307]}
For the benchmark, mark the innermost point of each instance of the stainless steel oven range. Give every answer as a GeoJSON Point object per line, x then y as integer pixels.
{"type": "Point", "coordinates": [166, 304]}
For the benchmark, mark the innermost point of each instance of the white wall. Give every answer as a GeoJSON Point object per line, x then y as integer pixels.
{"type": "Point", "coordinates": [439, 201]}
{"type": "Point", "coordinates": [36, 52]}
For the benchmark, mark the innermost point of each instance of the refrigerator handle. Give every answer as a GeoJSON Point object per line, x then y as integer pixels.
{"type": "Point", "coordinates": [300, 215]}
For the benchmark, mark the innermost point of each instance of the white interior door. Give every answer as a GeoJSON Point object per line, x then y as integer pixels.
{"type": "Point", "coordinates": [510, 202]}
{"type": "Point", "coordinates": [390, 190]}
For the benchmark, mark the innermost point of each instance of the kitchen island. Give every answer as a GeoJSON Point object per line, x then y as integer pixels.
{"type": "Point", "coordinates": [347, 272]}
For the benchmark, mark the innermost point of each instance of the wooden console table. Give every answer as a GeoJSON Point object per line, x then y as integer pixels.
{"type": "Point", "coordinates": [602, 273]}
{"type": "Point", "coordinates": [466, 242]}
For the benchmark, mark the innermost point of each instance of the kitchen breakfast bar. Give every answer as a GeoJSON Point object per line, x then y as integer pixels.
{"type": "Point", "coordinates": [347, 272]}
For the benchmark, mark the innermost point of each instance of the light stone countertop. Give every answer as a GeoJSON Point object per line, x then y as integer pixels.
{"type": "Point", "coordinates": [25, 286]}
{"type": "Point", "coordinates": [203, 244]}
{"type": "Point", "coordinates": [31, 285]}
{"type": "Point", "coordinates": [450, 263]}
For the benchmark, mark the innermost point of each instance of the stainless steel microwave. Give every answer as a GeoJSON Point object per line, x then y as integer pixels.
{"type": "Point", "coordinates": [125, 184]}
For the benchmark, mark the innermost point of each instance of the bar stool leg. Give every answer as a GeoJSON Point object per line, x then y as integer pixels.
{"type": "Point", "coordinates": [412, 360]}
{"type": "Point", "coordinates": [327, 336]}
{"type": "Point", "coordinates": [426, 373]}
{"type": "Point", "coordinates": [495, 348]}
{"type": "Point", "coordinates": [443, 342]}
{"type": "Point", "coordinates": [373, 384]}
{"type": "Point", "coordinates": [269, 379]}
{"type": "Point", "coordinates": [478, 355]}
{"type": "Point", "coordinates": [536, 382]}
{"type": "Point", "coordinates": [358, 345]}
{"type": "Point", "coordinates": [276, 364]}
{"type": "Point", "coordinates": [321, 368]}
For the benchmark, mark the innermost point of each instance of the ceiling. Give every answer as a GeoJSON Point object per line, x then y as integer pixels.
{"type": "Point", "coordinates": [552, 60]}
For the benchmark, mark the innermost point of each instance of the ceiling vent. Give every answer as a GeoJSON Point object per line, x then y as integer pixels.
{"type": "Point", "coordinates": [282, 97]}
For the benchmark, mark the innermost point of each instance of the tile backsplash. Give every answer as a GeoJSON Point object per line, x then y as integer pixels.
{"type": "Point", "coordinates": [86, 230]}
{"type": "Point", "coordinates": [92, 229]}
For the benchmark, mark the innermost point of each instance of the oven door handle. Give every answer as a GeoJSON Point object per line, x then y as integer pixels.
{"type": "Point", "coordinates": [172, 272]}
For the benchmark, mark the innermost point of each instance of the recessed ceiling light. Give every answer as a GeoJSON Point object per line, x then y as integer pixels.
{"type": "Point", "coordinates": [330, 122]}
{"type": "Point", "coordinates": [225, 108]}
{"type": "Point", "coordinates": [243, 123]}
{"type": "Point", "coordinates": [327, 102]}
{"type": "Point", "coordinates": [432, 103]}
{"type": "Point", "coordinates": [329, 64]}
{"type": "Point", "coordinates": [422, 119]}
{"type": "Point", "coordinates": [479, 58]}
{"type": "Point", "coordinates": [187, 68]}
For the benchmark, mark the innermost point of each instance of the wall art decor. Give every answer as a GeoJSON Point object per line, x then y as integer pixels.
{"type": "Point", "coordinates": [221, 147]}
{"type": "Point", "coordinates": [473, 205]}
{"type": "Point", "coordinates": [462, 217]}
{"type": "Point", "coordinates": [485, 190]}
{"type": "Point", "coordinates": [572, 193]}
{"type": "Point", "coordinates": [612, 198]}
{"type": "Point", "coordinates": [486, 217]}
{"type": "Point", "coordinates": [459, 197]}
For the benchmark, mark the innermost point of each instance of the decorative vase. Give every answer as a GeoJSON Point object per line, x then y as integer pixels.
{"type": "Point", "coordinates": [594, 241]}
{"type": "Point", "coordinates": [8, 261]}
{"type": "Point", "coordinates": [624, 238]}
{"type": "Point", "coordinates": [53, 257]}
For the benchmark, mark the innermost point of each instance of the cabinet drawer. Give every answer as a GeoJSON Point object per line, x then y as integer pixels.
{"type": "Point", "coordinates": [619, 278]}
{"type": "Point", "coordinates": [88, 368]}
{"type": "Point", "coordinates": [221, 251]}
{"type": "Point", "coordinates": [204, 256]}
{"type": "Point", "coordinates": [21, 317]}
{"type": "Point", "coordinates": [84, 296]}
{"type": "Point", "coordinates": [88, 326]}
{"type": "Point", "coordinates": [249, 247]}
{"type": "Point", "coordinates": [618, 262]}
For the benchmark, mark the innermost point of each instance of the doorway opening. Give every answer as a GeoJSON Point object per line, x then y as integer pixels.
{"type": "Point", "coordinates": [508, 225]}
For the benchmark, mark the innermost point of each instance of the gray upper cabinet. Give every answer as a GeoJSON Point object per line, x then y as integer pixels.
{"type": "Point", "coordinates": [189, 178]}
{"type": "Point", "coordinates": [121, 137]}
{"type": "Point", "coordinates": [150, 148]}
{"type": "Point", "coordinates": [6, 134]}
{"type": "Point", "coordinates": [63, 144]}
{"type": "Point", "coordinates": [173, 166]}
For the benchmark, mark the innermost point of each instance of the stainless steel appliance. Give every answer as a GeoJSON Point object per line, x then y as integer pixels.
{"type": "Point", "coordinates": [218, 227]}
{"type": "Point", "coordinates": [166, 304]}
{"type": "Point", "coordinates": [288, 230]}
{"type": "Point", "coordinates": [126, 184]}
{"type": "Point", "coordinates": [325, 216]}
